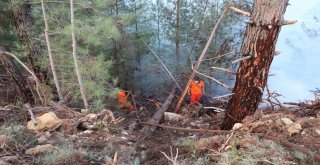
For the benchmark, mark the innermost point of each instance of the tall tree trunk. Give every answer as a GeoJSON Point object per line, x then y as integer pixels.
{"type": "Point", "coordinates": [53, 69]}
{"type": "Point", "coordinates": [26, 31]}
{"type": "Point", "coordinates": [196, 67]}
{"type": "Point", "coordinates": [259, 43]}
{"type": "Point", "coordinates": [116, 61]}
{"type": "Point", "coordinates": [16, 76]}
{"type": "Point", "coordinates": [158, 23]}
{"type": "Point", "coordinates": [74, 54]}
{"type": "Point", "coordinates": [177, 33]}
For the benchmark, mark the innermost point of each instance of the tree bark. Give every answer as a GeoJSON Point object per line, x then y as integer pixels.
{"type": "Point", "coordinates": [196, 67]}
{"type": "Point", "coordinates": [74, 54]}
{"type": "Point", "coordinates": [53, 68]}
{"type": "Point", "coordinates": [259, 43]}
{"type": "Point", "coordinates": [148, 130]}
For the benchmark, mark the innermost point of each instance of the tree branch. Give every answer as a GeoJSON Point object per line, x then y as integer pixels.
{"type": "Point", "coordinates": [245, 13]}
{"type": "Point", "coordinates": [175, 81]}
{"type": "Point", "coordinates": [288, 22]}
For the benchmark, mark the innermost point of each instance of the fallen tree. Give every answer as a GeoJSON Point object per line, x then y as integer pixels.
{"type": "Point", "coordinates": [155, 119]}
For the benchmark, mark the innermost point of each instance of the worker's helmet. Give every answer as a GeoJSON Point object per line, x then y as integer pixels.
{"type": "Point", "coordinates": [196, 78]}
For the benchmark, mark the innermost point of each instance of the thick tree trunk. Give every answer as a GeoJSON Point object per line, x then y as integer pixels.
{"type": "Point", "coordinates": [259, 43]}
{"type": "Point", "coordinates": [53, 68]}
{"type": "Point", "coordinates": [148, 130]}
{"type": "Point", "coordinates": [196, 67]}
{"type": "Point", "coordinates": [74, 54]}
{"type": "Point", "coordinates": [116, 61]}
{"type": "Point", "coordinates": [16, 76]}
{"type": "Point", "coordinates": [26, 31]}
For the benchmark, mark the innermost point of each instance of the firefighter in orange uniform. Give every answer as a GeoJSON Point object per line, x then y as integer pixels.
{"type": "Point", "coordinates": [196, 89]}
{"type": "Point", "coordinates": [123, 101]}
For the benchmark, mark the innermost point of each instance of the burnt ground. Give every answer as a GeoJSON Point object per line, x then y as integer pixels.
{"type": "Point", "coordinates": [122, 143]}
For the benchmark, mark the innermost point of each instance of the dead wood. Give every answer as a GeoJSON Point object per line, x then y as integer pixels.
{"type": "Point", "coordinates": [188, 129]}
{"type": "Point", "coordinates": [149, 129]}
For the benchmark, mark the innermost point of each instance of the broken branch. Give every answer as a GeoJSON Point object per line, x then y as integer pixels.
{"type": "Point", "coordinates": [241, 59]}
{"type": "Point", "coordinates": [288, 22]}
{"type": "Point", "coordinates": [211, 78]}
{"type": "Point", "coordinates": [245, 13]}
{"type": "Point", "coordinates": [188, 129]}
{"type": "Point", "coordinates": [163, 66]}
{"type": "Point", "coordinates": [225, 70]}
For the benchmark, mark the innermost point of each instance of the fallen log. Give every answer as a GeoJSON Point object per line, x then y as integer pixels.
{"type": "Point", "coordinates": [188, 129]}
{"type": "Point", "coordinates": [149, 129]}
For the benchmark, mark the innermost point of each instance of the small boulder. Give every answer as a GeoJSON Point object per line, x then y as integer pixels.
{"type": "Point", "coordinates": [91, 117]}
{"type": "Point", "coordinates": [287, 121]}
{"type": "Point", "coordinates": [48, 121]}
{"type": "Point", "coordinates": [42, 139]}
{"type": "Point", "coordinates": [294, 128]}
{"type": "Point", "coordinates": [237, 126]}
{"type": "Point", "coordinates": [317, 131]}
{"type": "Point", "coordinates": [85, 111]}
{"type": "Point", "coordinates": [87, 132]}
{"type": "Point", "coordinates": [40, 149]}
{"type": "Point", "coordinates": [169, 116]}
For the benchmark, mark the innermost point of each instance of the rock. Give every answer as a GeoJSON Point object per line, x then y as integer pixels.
{"type": "Point", "coordinates": [91, 117]}
{"type": "Point", "coordinates": [287, 121]}
{"type": "Point", "coordinates": [40, 149]}
{"type": "Point", "coordinates": [169, 116]}
{"type": "Point", "coordinates": [208, 143]}
{"type": "Point", "coordinates": [237, 126]}
{"type": "Point", "coordinates": [8, 160]}
{"type": "Point", "coordinates": [2, 140]}
{"type": "Point", "coordinates": [42, 139]}
{"type": "Point", "coordinates": [48, 121]}
{"type": "Point", "coordinates": [87, 132]}
{"type": "Point", "coordinates": [294, 128]}
{"type": "Point", "coordinates": [85, 111]}
{"type": "Point", "coordinates": [317, 131]}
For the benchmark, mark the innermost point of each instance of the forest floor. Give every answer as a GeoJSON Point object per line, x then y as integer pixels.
{"type": "Point", "coordinates": [114, 137]}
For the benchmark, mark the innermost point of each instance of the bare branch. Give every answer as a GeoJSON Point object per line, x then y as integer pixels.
{"type": "Point", "coordinates": [164, 66]}
{"type": "Point", "coordinates": [288, 22]}
{"type": "Point", "coordinates": [245, 13]}
{"type": "Point", "coordinates": [225, 70]}
{"type": "Point", "coordinates": [227, 95]}
{"type": "Point", "coordinates": [211, 78]}
{"type": "Point", "coordinates": [216, 109]}
{"type": "Point", "coordinates": [241, 59]}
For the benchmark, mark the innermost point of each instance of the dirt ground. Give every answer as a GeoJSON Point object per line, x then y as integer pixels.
{"type": "Point", "coordinates": [99, 142]}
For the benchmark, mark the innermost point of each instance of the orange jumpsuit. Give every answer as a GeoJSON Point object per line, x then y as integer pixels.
{"type": "Point", "coordinates": [196, 90]}
{"type": "Point", "coordinates": [123, 101]}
